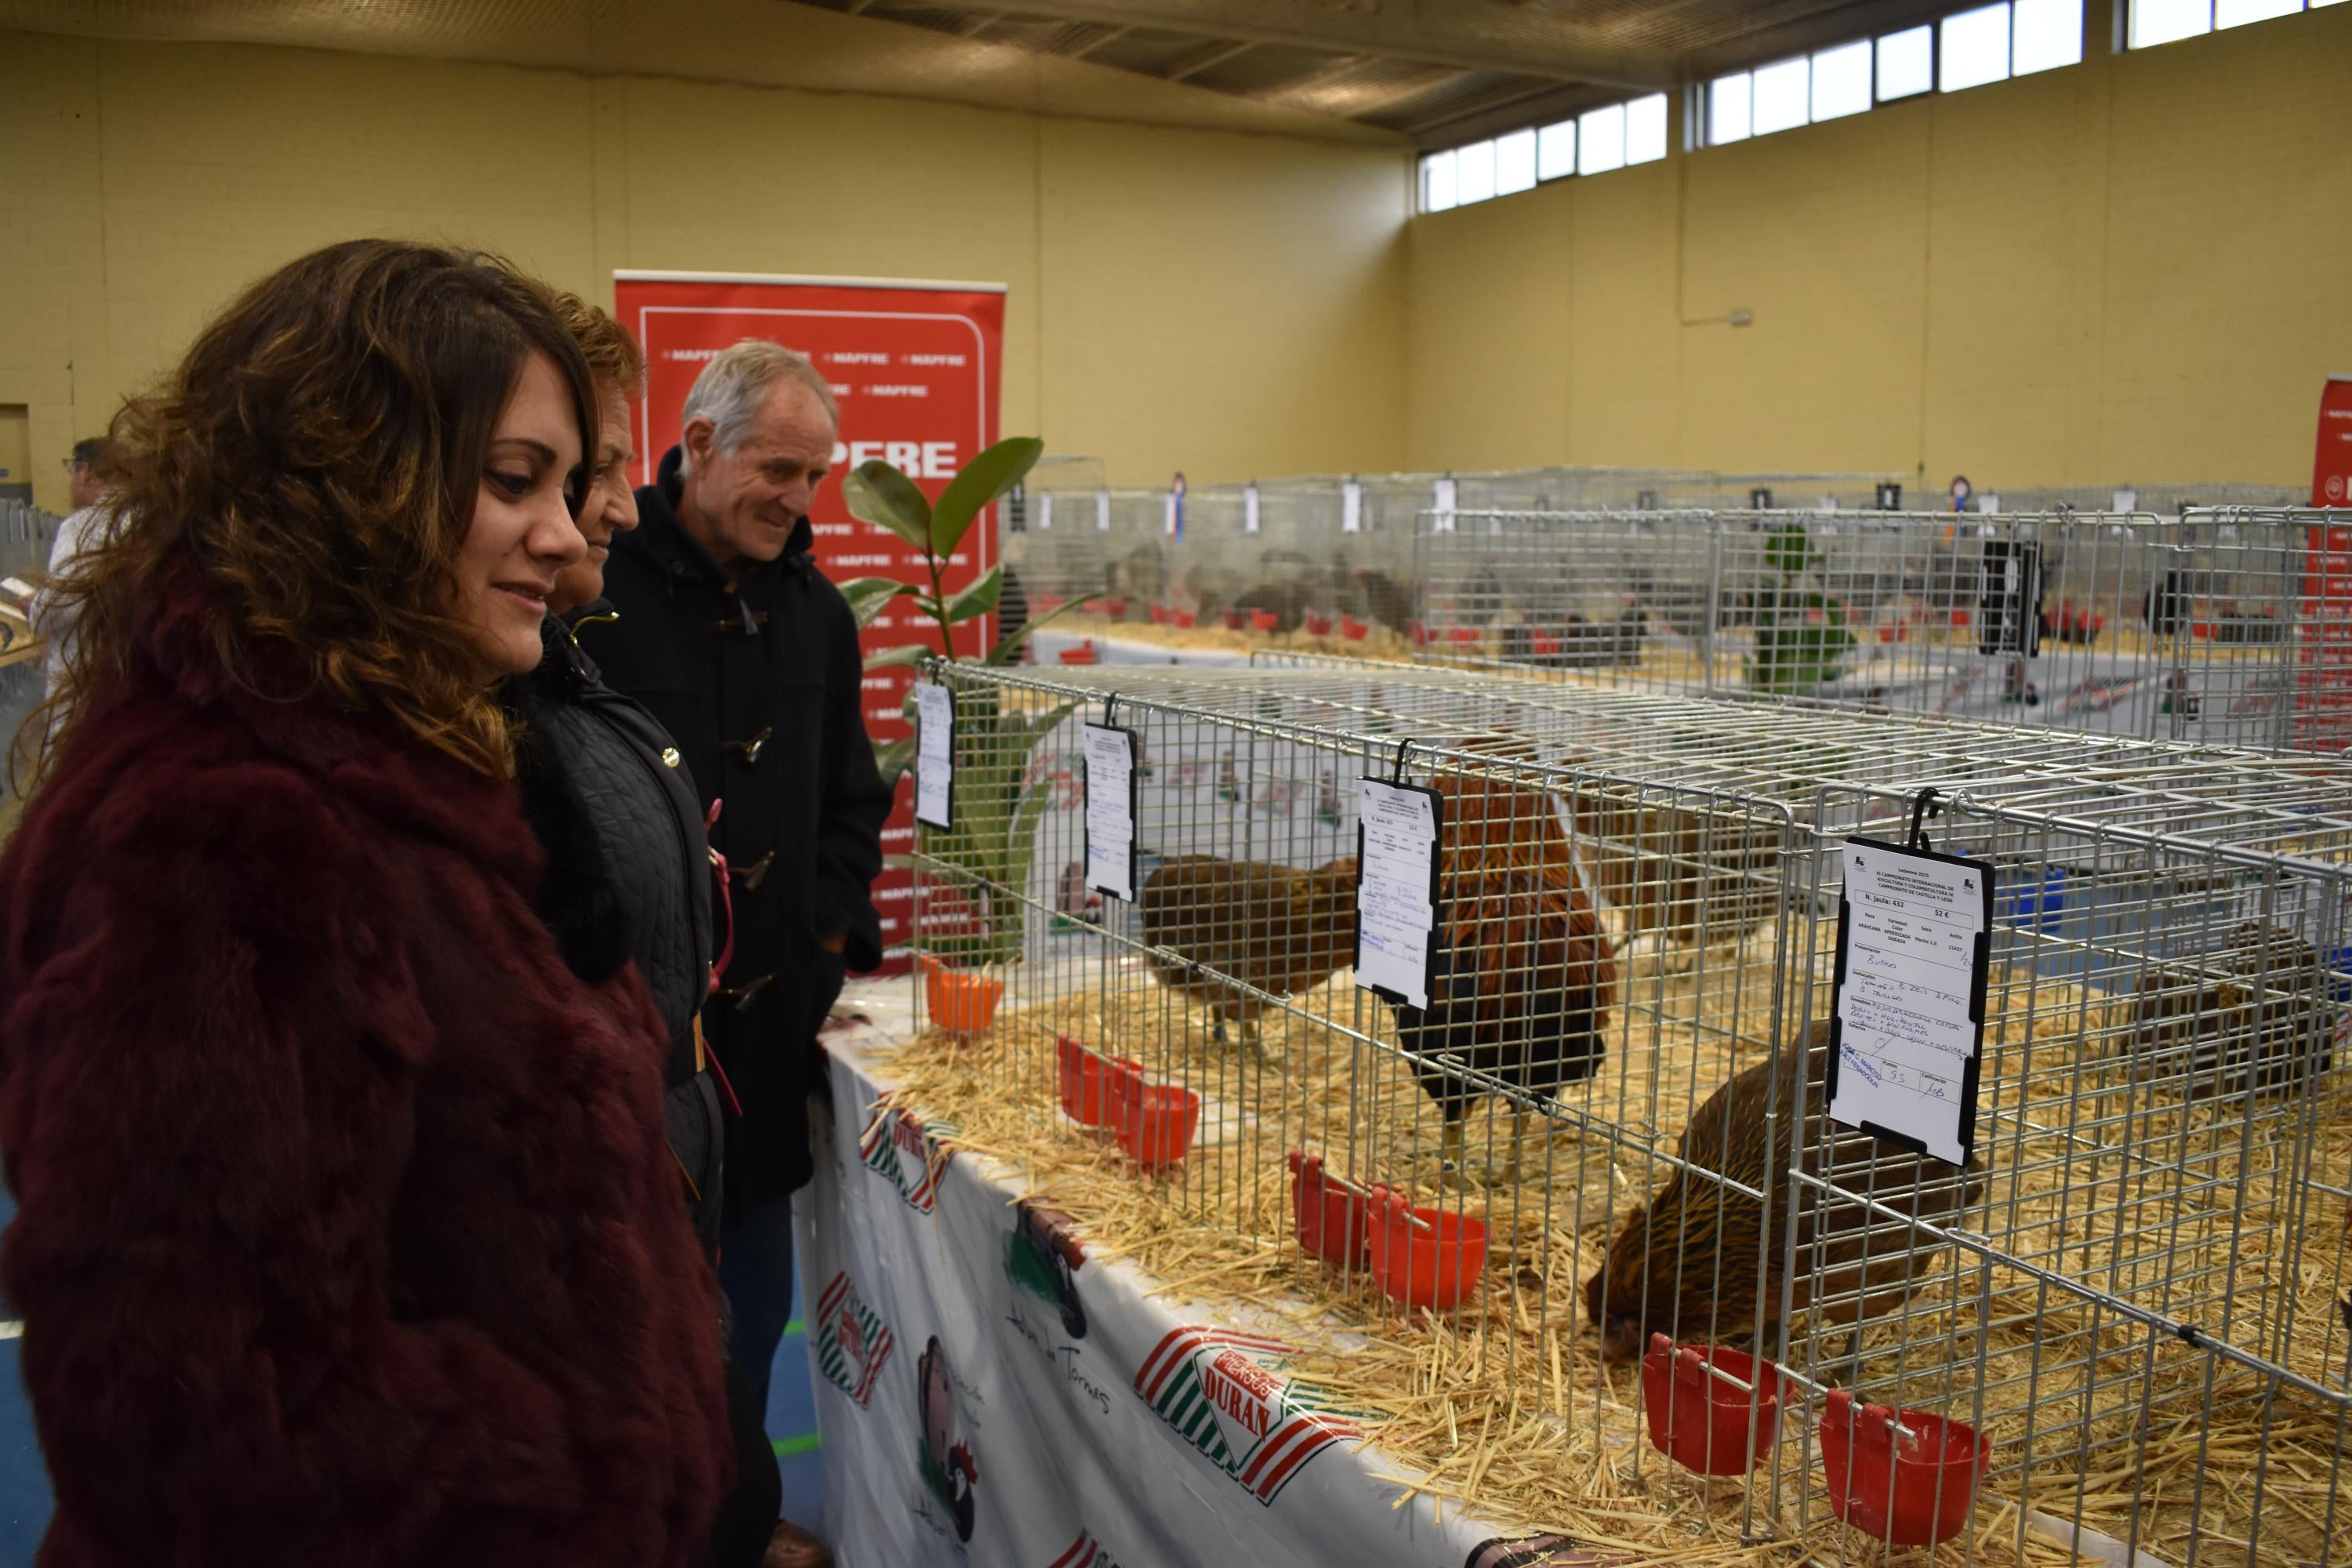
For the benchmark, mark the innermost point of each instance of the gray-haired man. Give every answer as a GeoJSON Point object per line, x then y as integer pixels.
{"type": "Point", "coordinates": [750, 659]}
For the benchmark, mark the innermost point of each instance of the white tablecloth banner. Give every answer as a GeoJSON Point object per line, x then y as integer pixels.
{"type": "Point", "coordinates": [988, 1394]}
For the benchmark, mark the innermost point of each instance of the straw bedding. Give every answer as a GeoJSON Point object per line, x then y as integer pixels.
{"type": "Point", "coordinates": [1504, 1406]}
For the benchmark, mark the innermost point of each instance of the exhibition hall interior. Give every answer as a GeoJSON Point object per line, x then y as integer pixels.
{"type": "Point", "coordinates": [1412, 783]}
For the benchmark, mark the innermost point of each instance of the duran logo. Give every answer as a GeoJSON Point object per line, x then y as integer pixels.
{"type": "Point", "coordinates": [1219, 1390]}
{"type": "Point", "coordinates": [852, 1344]}
{"type": "Point", "coordinates": [901, 1148]}
{"type": "Point", "coordinates": [1086, 1551]}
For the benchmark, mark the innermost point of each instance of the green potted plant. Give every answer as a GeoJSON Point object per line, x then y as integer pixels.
{"type": "Point", "coordinates": [1802, 633]}
{"type": "Point", "coordinates": [998, 806]}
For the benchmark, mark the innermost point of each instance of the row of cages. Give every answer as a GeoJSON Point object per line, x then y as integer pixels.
{"type": "Point", "coordinates": [1330, 557]}
{"type": "Point", "coordinates": [1583, 1213]}
{"type": "Point", "coordinates": [1320, 557]}
{"type": "Point", "coordinates": [2227, 625]}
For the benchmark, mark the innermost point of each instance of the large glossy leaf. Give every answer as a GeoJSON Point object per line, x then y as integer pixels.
{"type": "Point", "coordinates": [1008, 648]}
{"type": "Point", "coordinates": [978, 599]}
{"type": "Point", "coordinates": [900, 658]}
{"type": "Point", "coordinates": [868, 596]}
{"type": "Point", "coordinates": [984, 479]}
{"type": "Point", "coordinates": [881, 495]}
{"type": "Point", "coordinates": [1788, 549]}
{"type": "Point", "coordinates": [892, 759]}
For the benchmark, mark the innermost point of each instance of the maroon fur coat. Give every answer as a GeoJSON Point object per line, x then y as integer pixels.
{"type": "Point", "coordinates": [348, 1233]}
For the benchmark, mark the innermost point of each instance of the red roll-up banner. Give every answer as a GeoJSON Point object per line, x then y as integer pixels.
{"type": "Point", "coordinates": [917, 367]}
{"type": "Point", "coordinates": [2324, 718]}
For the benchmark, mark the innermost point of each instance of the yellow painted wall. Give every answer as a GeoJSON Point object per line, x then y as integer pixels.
{"type": "Point", "coordinates": [2132, 270]}
{"type": "Point", "coordinates": [1230, 304]}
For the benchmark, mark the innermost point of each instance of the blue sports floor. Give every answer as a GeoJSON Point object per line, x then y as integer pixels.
{"type": "Point", "coordinates": [25, 1501]}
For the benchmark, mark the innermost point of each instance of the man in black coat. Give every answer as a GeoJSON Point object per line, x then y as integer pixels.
{"type": "Point", "coordinates": [749, 658]}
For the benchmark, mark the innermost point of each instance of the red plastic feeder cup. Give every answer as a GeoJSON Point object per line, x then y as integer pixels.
{"type": "Point", "coordinates": [1317, 626]}
{"type": "Point", "coordinates": [1701, 1421]}
{"type": "Point", "coordinates": [1353, 629]}
{"type": "Point", "coordinates": [1082, 654]}
{"type": "Point", "coordinates": [1908, 1487]}
{"type": "Point", "coordinates": [1237, 620]}
{"type": "Point", "coordinates": [960, 1003]}
{"type": "Point", "coordinates": [1158, 1121]}
{"type": "Point", "coordinates": [1159, 614]}
{"type": "Point", "coordinates": [1425, 1257]}
{"type": "Point", "coordinates": [1115, 608]}
{"type": "Point", "coordinates": [1263, 620]}
{"type": "Point", "coordinates": [1185, 620]}
{"type": "Point", "coordinates": [1328, 1211]}
{"type": "Point", "coordinates": [1086, 1080]}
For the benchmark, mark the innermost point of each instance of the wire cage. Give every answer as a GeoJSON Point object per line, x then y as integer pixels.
{"type": "Point", "coordinates": [1090, 542]}
{"type": "Point", "coordinates": [2165, 500]}
{"type": "Point", "coordinates": [27, 533]}
{"type": "Point", "coordinates": [1767, 491]}
{"type": "Point", "coordinates": [2220, 626]}
{"type": "Point", "coordinates": [1471, 1215]}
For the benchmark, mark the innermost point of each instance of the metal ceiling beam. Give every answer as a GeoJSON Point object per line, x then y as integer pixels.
{"type": "Point", "coordinates": [1107, 35]}
{"type": "Point", "coordinates": [1467, 34]}
{"type": "Point", "coordinates": [1210, 59]}
{"type": "Point", "coordinates": [1504, 108]}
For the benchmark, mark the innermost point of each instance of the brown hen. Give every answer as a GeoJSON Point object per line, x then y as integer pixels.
{"type": "Point", "coordinates": [1275, 928]}
{"type": "Point", "coordinates": [1690, 1264]}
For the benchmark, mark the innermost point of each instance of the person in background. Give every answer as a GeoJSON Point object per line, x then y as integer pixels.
{"type": "Point", "coordinates": [86, 484]}
{"type": "Point", "coordinates": [347, 1231]}
{"type": "Point", "coordinates": [628, 863]}
{"type": "Point", "coordinates": [750, 659]}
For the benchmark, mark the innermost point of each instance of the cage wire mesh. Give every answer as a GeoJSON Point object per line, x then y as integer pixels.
{"type": "Point", "coordinates": [27, 533]}
{"type": "Point", "coordinates": [2219, 625]}
{"type": "Point", "coordinates": [1604, 1124]}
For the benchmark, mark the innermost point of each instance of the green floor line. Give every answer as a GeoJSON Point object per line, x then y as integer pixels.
{"type": "Point", "coordinates": [794, 1327]}
{"type": "Point", "coordinates": [806, 1443]}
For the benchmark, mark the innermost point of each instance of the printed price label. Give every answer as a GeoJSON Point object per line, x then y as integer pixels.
{"type": "Point", "coordinates": [1909, 1027]}
{"type": "Point", "coordinates": [1396, 893]}
{"type": "Point", "coordinates": [934, 755]}
{"type": "Point", "coordinates": [1110, 810]}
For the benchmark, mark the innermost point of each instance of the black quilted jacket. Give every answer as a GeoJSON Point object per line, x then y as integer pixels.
{"type": "Point", "coordinates": [612, 802]}
{"type": "Point", "coordinates": [757, 679]}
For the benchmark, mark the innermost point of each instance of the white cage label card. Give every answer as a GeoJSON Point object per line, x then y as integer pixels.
{"type": "Point", "coordinates": [1102, 512]}
{"type": "Point", "coordinates": [934, 755]}
{"type": "Point", "coordinates": [1111, 809]}
{"type": "Point", "coordinates": [1396, 889]}
{"type": "Point", "coordinates": [1352, 508]}
{"type": "Point", "coordinates": [1045, 513]}
{"type": "Point", "coordinates": [1249, 510]}
{"type": "Point", "coordinates": [1904, 1041]}
{"type": "Point", "coordinates": [1444, 497]}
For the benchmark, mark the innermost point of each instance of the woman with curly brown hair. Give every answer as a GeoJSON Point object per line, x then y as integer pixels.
{"type": "Point", "coordinates": [346, 1229]}
{"type": "Point", "coordinates": [614, 805]}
